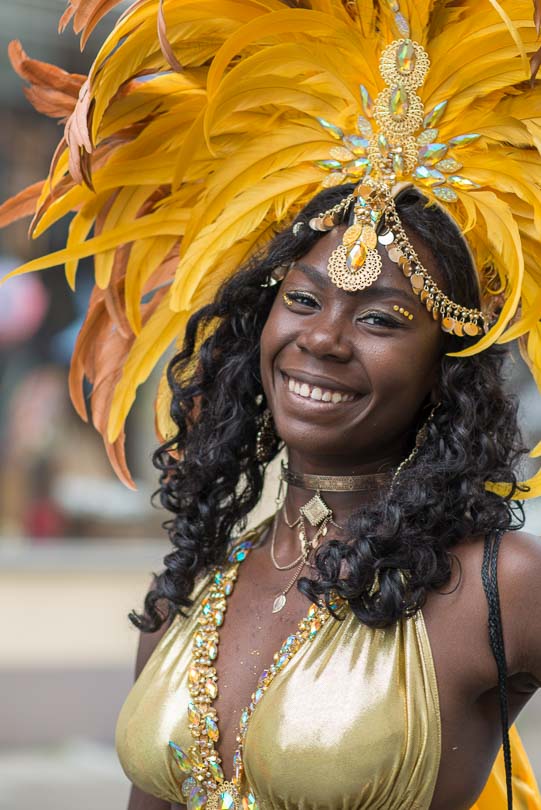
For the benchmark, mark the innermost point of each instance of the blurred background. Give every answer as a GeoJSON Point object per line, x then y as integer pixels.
{"type": "Point", "coordinates": [77, 549]}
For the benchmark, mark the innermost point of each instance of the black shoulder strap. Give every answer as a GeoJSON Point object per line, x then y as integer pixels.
{"type": "Point", "coordinates": [495, 632]}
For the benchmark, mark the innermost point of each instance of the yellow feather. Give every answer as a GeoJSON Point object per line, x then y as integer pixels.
{"type": "Point", "coordinates": [244, 214]}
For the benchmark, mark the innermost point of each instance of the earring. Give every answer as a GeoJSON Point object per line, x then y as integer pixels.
{"type": "Point", "coordinates": [267, 441]}
{"type": "Point", "coordinates": [420, 439]}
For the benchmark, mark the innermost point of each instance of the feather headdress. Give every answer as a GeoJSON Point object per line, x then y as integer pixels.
{"type": "Point", "coordinates": [205, 125]}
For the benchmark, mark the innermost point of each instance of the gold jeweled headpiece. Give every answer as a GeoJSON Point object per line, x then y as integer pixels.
{"type": "Point", "coordinates": [391, 153]}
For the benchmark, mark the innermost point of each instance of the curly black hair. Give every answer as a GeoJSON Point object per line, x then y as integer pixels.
{"type": "Point", "coordinates": [210, 479]}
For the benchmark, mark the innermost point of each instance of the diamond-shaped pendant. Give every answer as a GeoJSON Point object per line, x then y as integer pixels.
{"type": "Point", "coordinates": [316, 510]}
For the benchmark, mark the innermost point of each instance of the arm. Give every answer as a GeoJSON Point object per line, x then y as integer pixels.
{"type": "Point", "coordinates": [519, 575]}
{"type": "Point", "coordinates": [138, 799]}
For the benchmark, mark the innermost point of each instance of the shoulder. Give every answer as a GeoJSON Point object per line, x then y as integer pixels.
{"type": "Point", "coordinates": [519, 582]}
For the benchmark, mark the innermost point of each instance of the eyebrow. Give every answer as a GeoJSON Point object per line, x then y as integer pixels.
{"type": "Point", "coordinates": [322, 281]}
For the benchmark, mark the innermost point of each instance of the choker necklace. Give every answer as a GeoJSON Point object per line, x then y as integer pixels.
{"type": "Point", "coordinates": [318, 514]}
{"type": "Point", "coordinates": [335, 483]}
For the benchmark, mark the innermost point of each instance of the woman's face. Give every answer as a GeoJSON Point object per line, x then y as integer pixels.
{"type": "Point", "coordinates": [324, 341]}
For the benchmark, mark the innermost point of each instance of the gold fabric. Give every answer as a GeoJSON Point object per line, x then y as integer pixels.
{"type": "Point", "coordinates": [352, 722]}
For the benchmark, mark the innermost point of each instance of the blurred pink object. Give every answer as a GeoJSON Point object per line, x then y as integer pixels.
{"type": "Point", "coordinates": [23, 306]}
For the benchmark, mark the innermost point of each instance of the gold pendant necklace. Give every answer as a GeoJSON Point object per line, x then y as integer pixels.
{"type": "Point", "coordinates": [204, 785]}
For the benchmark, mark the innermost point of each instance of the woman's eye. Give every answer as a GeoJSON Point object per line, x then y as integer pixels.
{"type": "Point", "coordinates": [379, 319]}
{"type": "Point", "coordinates": [299, 297]}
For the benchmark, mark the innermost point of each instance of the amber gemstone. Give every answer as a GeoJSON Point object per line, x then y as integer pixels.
{"type": "Point", "coordinates": [211, 689]}
{"type": "Point", "coordinates": [356, 256]}
{"type": "Point", "coordinates": [417, 282]}
{"type": "Point", "coordinates": [406, 57]}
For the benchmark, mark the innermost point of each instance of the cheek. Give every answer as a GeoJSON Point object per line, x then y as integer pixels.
{"type": "Point", "coordinates": [401, 380]}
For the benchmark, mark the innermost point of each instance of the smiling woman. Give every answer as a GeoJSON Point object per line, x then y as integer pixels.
{"type": "Point", "coordinates": [350, 383]}
{"type": "Point", "coordinates": [368, 647]}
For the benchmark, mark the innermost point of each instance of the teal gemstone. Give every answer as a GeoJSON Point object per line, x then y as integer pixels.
{"type": "Point", "coordinates": [249, 802]}
{"type": "Point", "coordinates": [245, 716]}
{"type": "Point", "coordinates": [282, 660]}
{"type": "Point", "coordinates": [240, 551]}
{"type": "Point", "coordinates": [435, 115]}
{"type": "Point", "coordinates": [258, 695]}
{"type": "Point", "coordinates": [336, 132]}
{"type": "Point", "coordinates": [207, 609]}
{"type": "Point", "coordinates": [187, 786]}
{"type": "Point", "coordinates": [227, 801]}
{"type": "Point", "coordinates": [218, 578]}
{"type": "Point", "coordinates": [433, 152]}
{"type": "Point", "coordinates": [181, 757]}
{"type": "Point", "coordinates": [464, 140]}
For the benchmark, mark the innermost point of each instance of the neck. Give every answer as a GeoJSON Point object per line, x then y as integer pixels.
{"type": "Point", "coordinates": [370, 481]}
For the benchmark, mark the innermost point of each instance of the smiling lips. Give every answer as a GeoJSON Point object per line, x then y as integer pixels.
{"type": "Point", "coordinates": [317, 393]}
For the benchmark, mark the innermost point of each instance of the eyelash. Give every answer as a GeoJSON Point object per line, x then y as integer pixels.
{"type": "Point", "coordinates": [296, 297]}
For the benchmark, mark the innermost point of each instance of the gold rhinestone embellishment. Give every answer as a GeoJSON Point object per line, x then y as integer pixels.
{"type": "Point", "coordinates": [204, 786]}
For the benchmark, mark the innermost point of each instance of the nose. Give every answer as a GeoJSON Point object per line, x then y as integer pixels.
{"type": "Point", "coordinates": [326, 337]}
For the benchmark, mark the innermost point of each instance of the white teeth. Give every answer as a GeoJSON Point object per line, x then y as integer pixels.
{"type": "Point", "coordinates": [316, 393]}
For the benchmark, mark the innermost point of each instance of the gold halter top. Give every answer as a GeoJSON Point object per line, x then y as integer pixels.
{"type": "Point", "coordinates": [352, 722]}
